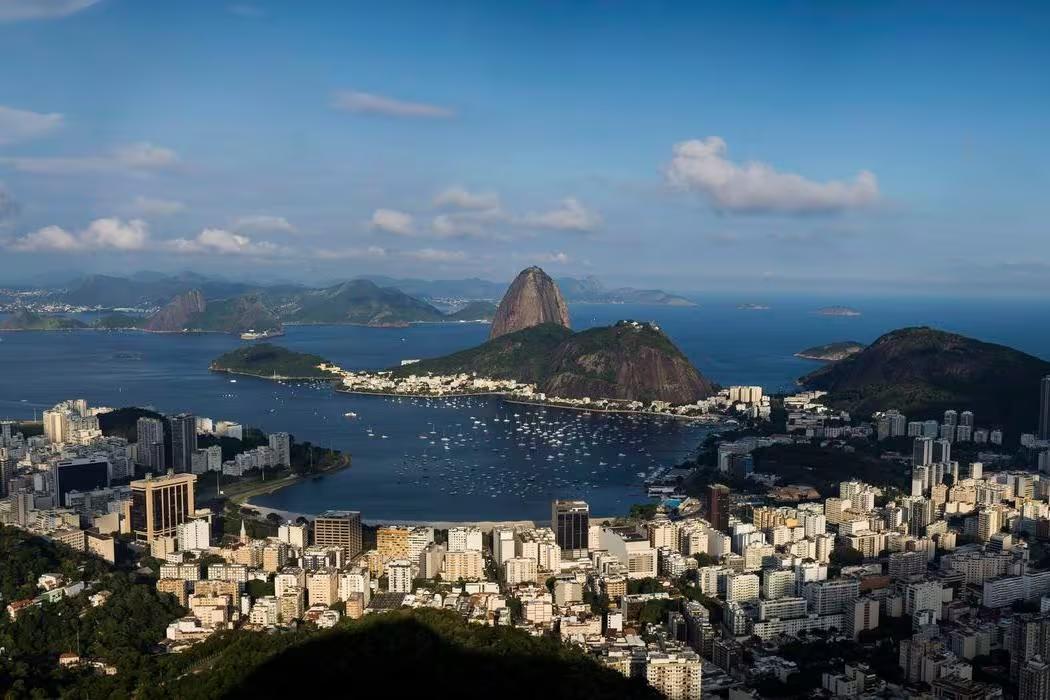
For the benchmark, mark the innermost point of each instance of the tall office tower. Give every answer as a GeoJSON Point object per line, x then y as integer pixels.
{"type": "Point", "coordinates": [976, 470]}
{"type": "Point", "coordinates": [79, 475]}
{"type": "Point", "coordinates": [150, 435]}
{"type": "Point", "coordinates": [922, 452]}
{"type": "Point", "coordinates": [7, 428]}
{"type": "Point", "coordinates": [7, 469]}
{"type": "Point", "coordinates": [339, 528]}
{"type": "Point", "coordinates": [915, 428]}
{"type": "Point", "coordinates": [183, 442]}
{"type": "Point", "coordinates": [966, 418]}
{"type": "Point", "coordinates": [942, 450]}
{"type": "Point", "coordinates": [281, 444]}
{"type": "Point", "coordinates": [56, 425]}
{"type": "Point", "coordinates": [930, 428]}
{"type": "Point", "coordinates": [718, 506]}
{"type": "Point", "coordinates": [1034, 681]}
{"type": "Point", "coordinates": [898, 424]}
{"type": "Point", "coordinates": [160, 504]}
{"type": "Point", "coordinates": [1044, 408]}
{"type": "Point", "coordinates": [571, 522]}
{"type": "Point", "coordinates": [951, 417]}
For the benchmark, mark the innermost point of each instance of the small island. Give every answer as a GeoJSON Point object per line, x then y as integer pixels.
{"type": "Point", "coordinates": [831, 352]}
{"type": "Point", "coordinates": [270, 362]}
{"type": "Point", "coordinates": [838, 311]}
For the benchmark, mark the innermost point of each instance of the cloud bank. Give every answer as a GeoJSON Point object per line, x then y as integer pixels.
{"type": "Point", "coordinates": [21, 125]}
{"type": "Point", "coordinates": [701, 166]}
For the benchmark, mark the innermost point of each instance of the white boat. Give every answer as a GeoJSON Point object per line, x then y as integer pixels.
{"type": "Point", "coordinates": [350, 414]}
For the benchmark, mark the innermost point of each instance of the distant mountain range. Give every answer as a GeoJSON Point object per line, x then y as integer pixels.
{"type": "Point", "coordinates": [586, 290]}
{"type": "Point", "coordinates": [192, 302]}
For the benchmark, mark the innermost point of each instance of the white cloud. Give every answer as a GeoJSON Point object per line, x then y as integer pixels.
{"type": "Point", "coordinates": [131, 159]}
{"type": "Point", "coordinates": [701, 166]}
{"type": "Point", "coordinates": [435, 255]}
{"type": "Point", "coordinates": [570, 216]}
{"type": "Point", "coordinates": [15, 10]}
{"type": "Point", "coordinates": [116, 234]}
{"type": "Point", "coordinates": [461, 198]}
{"type": "Point", "coordinates": [22, 125]}
{"type": "Point", "coordinates": [559, 258]}
{"type": "Point", "coordinates": [393, 221]}
{"type": "Point", "coordinates": [467, 224]}
{"type": "Point", "coordinates": [221, 242]}
{"type": "Point", "coordinates": [264, 223]}
{"type": "Point", "coordinates": [150, 206]}
{"type": "Point", "coordinates": [369, 103]}
{"type": "Point", "coordinates": [101, 234]}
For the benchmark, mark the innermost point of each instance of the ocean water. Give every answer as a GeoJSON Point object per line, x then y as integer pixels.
{"type": "Point", "coordinates": [497, 460]}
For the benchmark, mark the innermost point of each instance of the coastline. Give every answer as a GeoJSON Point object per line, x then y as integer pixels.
{"type": "Point", "coordinates": [522, 402]}
{"type": "Point", "coordinates": [271, 377]}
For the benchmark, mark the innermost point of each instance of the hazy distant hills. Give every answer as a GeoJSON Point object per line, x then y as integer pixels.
{"type": "Point", "coordinates": [357, 301]}
{"type": "Point", "coordinates": [586, 290]}
{"type": "Point", "coordinates": [924, 371]}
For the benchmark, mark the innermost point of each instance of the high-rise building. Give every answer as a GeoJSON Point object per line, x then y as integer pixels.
{"type": "Point", "coordinates": [718, 506]}
{"type": "Point", "coordinates": [281, 444]}
{"type": "Point", "coordinates": [675, 674]}
{"type": "Point", "coordinates": [339, 528]}
{"type": "Point", "coordinates": [79, 475]}
{"type": "Point", "coordinates": [942, 450]}
{"type": "Point", "coordinates": [151, 443]}
{"type": "Point", "coordinates": [922, 451]}
{"type": "Point", "coordinates": [183, 442]}
{"type": "Point", "coordinates": [571, 521]}
{"type": "Point", "coordinates": [1034, 682]}
{"type": "Point", "coordinates": [966, 418]}
{"type": "Point", "coordinates": [951, 417]}
{"type": "Point", "coordinates": [1044, 408]}
{"type": "Point", "coordinates": [160, 504]}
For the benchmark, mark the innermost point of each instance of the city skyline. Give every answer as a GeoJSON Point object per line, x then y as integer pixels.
{"type": "Point", "coordinates": [472, 140]}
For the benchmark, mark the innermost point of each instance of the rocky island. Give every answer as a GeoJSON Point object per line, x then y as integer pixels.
{"type": "Point", "coordinates": [831, 352]}
{"type": "Point", "coordinates": [838, 311]}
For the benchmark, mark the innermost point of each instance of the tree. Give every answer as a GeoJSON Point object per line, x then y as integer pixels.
{"type": "Point", "coordinates": [258, 589]}
{"type": "Point", "coordinates": [845, 555]}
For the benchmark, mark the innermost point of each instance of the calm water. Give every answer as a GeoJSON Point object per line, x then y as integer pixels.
{"type": "Point", "coordinates": [468, 459]}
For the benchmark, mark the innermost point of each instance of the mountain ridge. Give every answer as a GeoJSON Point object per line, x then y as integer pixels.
{"type": "Point", "coordinates": [923, 371]}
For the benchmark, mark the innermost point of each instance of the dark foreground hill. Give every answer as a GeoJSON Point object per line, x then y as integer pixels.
{"type": "Point", "coordinates": [420, 654]}
{"type": "Point", "coordinates": [924, 371]}
{"type": "Point", "coordinates": [629, 360]}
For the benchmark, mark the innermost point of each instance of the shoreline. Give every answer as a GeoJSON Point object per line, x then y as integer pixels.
{"type": "Point", "coordinates": [275, 378]}
{"type": "Point", "coordinates": [541, 404]}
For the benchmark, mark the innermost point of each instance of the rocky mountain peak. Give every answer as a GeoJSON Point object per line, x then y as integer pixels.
{"type": "Point", "coordinates": [532, 299]}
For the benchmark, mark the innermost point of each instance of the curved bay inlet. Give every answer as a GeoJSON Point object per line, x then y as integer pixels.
{"type": "Point", "coordinates": [460, 459]}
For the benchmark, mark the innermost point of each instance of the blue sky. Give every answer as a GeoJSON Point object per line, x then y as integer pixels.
{"type": "Point", "coordinates": [693, 146]}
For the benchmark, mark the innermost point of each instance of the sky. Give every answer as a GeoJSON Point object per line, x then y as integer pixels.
{"type": "Point", "coordinates": [889, 147]}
